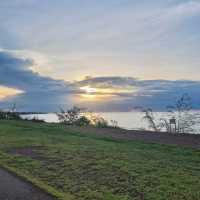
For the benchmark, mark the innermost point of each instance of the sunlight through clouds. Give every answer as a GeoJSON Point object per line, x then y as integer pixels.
{"type": "Point", "coordinates": [94, 93]}
{"type": "Point", "coordinates": [134, 51]}
{"type": "Point", "coordinates": [6, 92]}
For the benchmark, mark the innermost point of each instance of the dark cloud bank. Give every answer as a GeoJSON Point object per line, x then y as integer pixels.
{"type": "Point", "coordinates": [41, 93]}
{"type": "Point", "coordinates": [46, 94]}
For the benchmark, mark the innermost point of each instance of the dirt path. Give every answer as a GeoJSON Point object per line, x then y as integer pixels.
{"type": "Point", "coordinates": [13, 188]}
{"type": "Point", "coordinates": [182, 140]}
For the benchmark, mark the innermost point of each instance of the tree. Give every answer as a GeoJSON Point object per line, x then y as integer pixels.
{"type": "Point", "coordinates": [181, 111]}
{"type": "Point", "coordinates": [73, 116]}
{"type": "Point", "coordinates": [70, 116]}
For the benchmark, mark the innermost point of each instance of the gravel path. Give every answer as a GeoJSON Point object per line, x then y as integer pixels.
{"type": "Point", "coordinates": [13, 188]}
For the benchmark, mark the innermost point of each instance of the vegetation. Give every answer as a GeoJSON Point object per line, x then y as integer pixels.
{"type": "Point", "coordinates": [114, 124]}
{"type": "Point", "coordinates": [149, 117]}
{"type": "Point", "coordinates": [10, 114]}
{"type": "Point", "coordinates": [70, 117]}
{"type": "Point", "coordinates": [78, 166]}
{"type": "Point", "coordinates": [180, 114]}
{"type": "Point", "coordinates": [181, 111]}
{"type": "Point", "coordinates": [75, 116]}
{"type": "Point", "coordinates": [99, 122]}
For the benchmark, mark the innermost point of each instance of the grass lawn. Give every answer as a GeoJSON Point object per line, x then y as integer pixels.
{"type": "Point", "coordinates": [84, 167]}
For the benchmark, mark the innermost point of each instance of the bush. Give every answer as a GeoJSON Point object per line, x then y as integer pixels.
{"type": "Point", "coordinates": [69, 117]}
{"type": "Point", "coordinates": [100, 122]}
{"type": "Point", "coordinates": [73, 116]}
{"type": "Point", "coordinates": [9, 115]}
{"type": "Point", "coordinates": [83, 121]}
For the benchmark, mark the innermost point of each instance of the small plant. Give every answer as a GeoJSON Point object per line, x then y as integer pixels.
{"type": "Point", "coordinates": [165, 124]}
{"type": "Point", "coordinates": [100, 122]}
{"type": "Point", "coordinates": [149, 117]}
{"type": "Point", "coordinates": [96, 120]}
{"type": "Point", "coordinates": [114, 124]}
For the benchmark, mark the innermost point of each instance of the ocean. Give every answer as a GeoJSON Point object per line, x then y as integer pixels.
{"type": "Point", "coordinates": [126, 120]}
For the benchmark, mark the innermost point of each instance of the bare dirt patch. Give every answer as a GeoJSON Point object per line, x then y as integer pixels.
{"type": "Point", "coordinates": [182, 140]}
{"type": "Point", "coordinates": [33, 152]}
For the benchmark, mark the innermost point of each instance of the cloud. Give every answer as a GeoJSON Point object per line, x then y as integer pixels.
{"type": "Point", "coordinates": [39, 92]}
{"type": "Point", "coordinates": [186, 9]}
{"type": "Point", "coordinates": [108, 81]}
{"type": "Point", "coordinates": [170, 18]}
{"type": "Point", "coordinates": [111, 93]}
{"type": "Point", "coordinates": [156, 94]}
{"type": "Point", "coordinates": [106, 37]}
{"type": "Point", "coordinates": [16, 71]}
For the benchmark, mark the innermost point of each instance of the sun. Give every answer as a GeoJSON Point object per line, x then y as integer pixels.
{"type": "Point", "coordinates": [88, 89]}
{"type": "Point", "coordinates": [95, 94]}
{"type": "Point", "coordinates": [89, 92]}
{"type": "Point", "coordinates": [103, 93]}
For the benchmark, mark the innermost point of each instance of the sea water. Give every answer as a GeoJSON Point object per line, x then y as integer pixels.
{"type": "Point", "coordinates": [126, 120]}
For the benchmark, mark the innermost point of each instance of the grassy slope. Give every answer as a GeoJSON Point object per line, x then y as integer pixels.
{"type": "Point", "coordinates": [73, 166]}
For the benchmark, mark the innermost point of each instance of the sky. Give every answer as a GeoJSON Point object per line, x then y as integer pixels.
{"type": "Point", "coordinates": [104, 55]}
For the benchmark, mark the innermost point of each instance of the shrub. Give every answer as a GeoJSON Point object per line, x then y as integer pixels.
{"type": "Point", "coordinates": [9, 115]}
{"type": "Point", "coordinates": [73, 116]}
{"type": "Point", "coordinates": [100, 122]}
{"type": "Point", "coordinates": [69, 117]}
{"type": "Point", "coordinates": [83, 121]}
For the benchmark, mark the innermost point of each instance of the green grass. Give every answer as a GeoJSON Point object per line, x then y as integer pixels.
{"type": "Point", "coordinates": [84, 167]}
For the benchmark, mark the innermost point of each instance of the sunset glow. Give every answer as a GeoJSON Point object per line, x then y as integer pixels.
{"type": "Point", "coordinates": [102, 55]}
{"type": "Point", "coordinates": [94, 94]}
{"type": "Point", "coordinates": [89, 90]}
{"type": "Point", "coordinates": [6, 92]}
